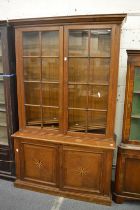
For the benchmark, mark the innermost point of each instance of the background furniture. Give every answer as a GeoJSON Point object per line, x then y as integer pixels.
{"type": "Point", "coordinates": [127, 183]}
{"type": "Point", "coordinates": [67, 78]}
{"type": "Point", "coordinates": [8, 101]}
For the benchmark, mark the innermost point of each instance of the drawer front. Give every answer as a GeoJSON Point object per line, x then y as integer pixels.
{"type": "Point", "coordinates": [39, 163]}
{"type": "Point", "coordinates": [82, 170]}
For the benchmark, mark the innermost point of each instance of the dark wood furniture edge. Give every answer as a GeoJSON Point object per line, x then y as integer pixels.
{"type": "Point", "coordinates": [55, 191]}
{"type": "Point", "coordinates": [7, 176]}
{"type": "Point", "coordinates": [3, 23]}
{"type": "Point", "coordinates": [128, 146]}
{"type": "Point", "coordinates": [118, 198]}
{"type": "Point", "coordinates": [103, 18]}
{"type": "Point", "coordinates": [133, 52]}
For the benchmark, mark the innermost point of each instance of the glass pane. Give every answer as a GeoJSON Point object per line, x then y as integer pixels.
{"type": "Point", "coordinates": [1, 64]}
{"type": "Point", "coordinates": [33, 115]}
{"type": "Point", "coordinates": [0, 45]}
{"type": "Point", "coordinates": [77, 120]}
{"type": "Point", "coordinates": [2, 98]}
{"type": "Point", "coordinates": [50, 43]}
{"type": "Point", "coordinates": [78, 43]}
{"type": "Point", "coordinates": [32, 69]}
{"type": "Point", "coordinates": [135, 115]}
{"type": "Point", "coordinates": [77, 96]}
{"type": "Point", "coordinates": [3, 136]}
{"type": "Point", "coordinates": [50, 117]}
{"type": "Point", "coordinates": [100, 43]}
{"type": "Point", "coordinates": [99, 70]}
{"type": "Point", "coordinates": [31, 44]}
{"type": "Point", "coordinates": [50, 69]}
{"type": "Point", "coordinates": [3, 118]}
{"type": "Point", "coordinates": [136, 105]}
{"type": "Point", "coordinates": [98, 97]}
{"type": "Point", "coordinates": [32, 93]}
{"type": "Point", "coordinates": [96, 121]}
{"type": "Point", "coordinates": [78, 69]}
{"type": "Point", "coordinates": [135, 129]}
{"type": "Point", "coordinates": [137, 80]}
{"type": "Point", "coordinates": [50, 94]}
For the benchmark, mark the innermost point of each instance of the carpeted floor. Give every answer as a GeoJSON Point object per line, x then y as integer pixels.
{"type": "Point", "coordinates": [12, 198]}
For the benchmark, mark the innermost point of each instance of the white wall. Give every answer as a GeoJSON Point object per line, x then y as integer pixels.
{"type": "Point", "coordinates": [36, 8]}
{"type": "Point", "coordinates": [130, 35]}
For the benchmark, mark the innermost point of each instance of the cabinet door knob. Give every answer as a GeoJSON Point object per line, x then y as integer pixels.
{"type": "Point", "coordinates": [16, 150]}
{"type": "Point", "coordinates": [65, 58]}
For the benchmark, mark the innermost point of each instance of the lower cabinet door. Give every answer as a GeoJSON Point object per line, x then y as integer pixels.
{"type": "Point", "coordinates": [132, 175]}
{"type": "Point", "coordinates": [83, 170]}
{"type": "Point", "coordinates": [39, 163]}
{"type": "Point", "coordinates": [127, 182]}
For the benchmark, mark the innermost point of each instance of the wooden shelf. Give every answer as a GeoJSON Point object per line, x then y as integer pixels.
{"type": "Point", "coordinates": [2, 103]}
{"type": "Point", "coordinates": [136, 91]}
{"type": "Point", "coordinates": [87, 109]}
{"type": "Point", "coordinates": [2, 110]}
{"type": "Point", "coordinates": [135, 116]}
{"type": "Point", "coordinates": [41, 81]}
{"type": "Point", "coordinates": [3, 124]}
{"type": "Point", "coordinates": [89, 83]}
{"type": "Point", "coordinates": [90, 127]}
{"type": "Point", "coordinates": [105, 57]}
{"type": "Point", "coordinates": [38, 56]}
{"type": "Point", "coordinates": [49, 122]}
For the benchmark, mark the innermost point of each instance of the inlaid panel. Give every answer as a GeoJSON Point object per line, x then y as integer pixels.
{"type": "Point", "coordinates": [82, 170]}
{"type": "Point", "coordinates": [40, 163]}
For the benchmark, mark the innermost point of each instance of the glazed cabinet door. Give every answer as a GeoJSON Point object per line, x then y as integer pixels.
{"type": "Point", "coordinates": [88, 58]}
{"type": "Point", "coordinates": [40, 72]}
{"type": "Point", "coordinates": [131, 127]}
{"type": "Point", "coordinates": [3, 118]}
{"type": "Point", "coordinates": [85, 170]}
{"type": "Point", "coordinates": [38, 162]}
{"type": "Point", "coordinates": [8, 102]}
